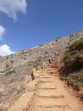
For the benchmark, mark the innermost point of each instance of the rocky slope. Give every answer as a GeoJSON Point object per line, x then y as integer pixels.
{"type": "Point", "coordinates": [15, 69]}
{"type": "Point", "coordinates": [46, 50]}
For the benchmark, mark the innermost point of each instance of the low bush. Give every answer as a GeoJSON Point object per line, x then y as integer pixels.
{"type": "Point", "coordinates": [10, 72]}
{"type": "Point", "coordinates": [73, 58]}
{"type": "Point", "coordinates": [72, 69]}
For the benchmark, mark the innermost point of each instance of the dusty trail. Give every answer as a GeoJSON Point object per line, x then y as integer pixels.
{"type": "Point", "coordinates": [51, 95]}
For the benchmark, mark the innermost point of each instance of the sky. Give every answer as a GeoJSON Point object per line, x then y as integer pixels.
{"type": "Point", "coordinates": [28, 23]}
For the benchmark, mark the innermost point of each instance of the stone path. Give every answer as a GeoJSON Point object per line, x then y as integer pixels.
{"type": "Point", "coordinates": [47, 93]}
{"type": "Point", "coordinates": [51, 96]}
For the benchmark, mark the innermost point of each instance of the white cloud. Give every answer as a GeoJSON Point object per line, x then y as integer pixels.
{"type": "Point", "coordinates": [5, 50]}
{"type": "Point", "coordinates": [11, 7]}
{"type": "Point", "coordinates": [2, 31]}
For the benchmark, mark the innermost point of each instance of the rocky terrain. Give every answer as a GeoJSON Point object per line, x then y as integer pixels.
{"type": "Point", "coordinates": [16, 68]}
{"type": "Point", "coordinates": [12, 85]}
{"type": "Point", "coordinates": [24, 56]}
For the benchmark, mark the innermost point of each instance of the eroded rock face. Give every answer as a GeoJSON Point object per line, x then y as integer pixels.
{"type": "Point", "coordinates": [50, 49]}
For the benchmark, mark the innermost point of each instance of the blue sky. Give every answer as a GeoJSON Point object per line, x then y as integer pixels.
{"type": "Point", "coordinates": [27, 23]}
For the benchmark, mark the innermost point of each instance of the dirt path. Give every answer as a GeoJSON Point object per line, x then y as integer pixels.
{"type": "Point", "coordinates": [51, 95]}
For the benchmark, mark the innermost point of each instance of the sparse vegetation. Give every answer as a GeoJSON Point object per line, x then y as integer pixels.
{"type": "Point", "coordinates": [10, 72]}
{"type": "Point", "coordinates": [15, 79]}
{"type": "Point", "coordinates": [46, 52]}
{"type": "Point", "coordinates": [31, 63]}
{"type": "Point", "coordinates": [38, 61]}
{"type": "Point", "coordinates": [71, 35]}
{"type": "Point", "coordinates": [6, 70]}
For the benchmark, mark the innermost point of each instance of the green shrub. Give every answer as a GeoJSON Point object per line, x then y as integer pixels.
{"type": "Point", "coordinates": [73, 58]}
{"type": "Point", "coordinates": [72, 70]}
{"type": "Point", "coordinates": [31, 63]}
{"type": "Point", "coordinates": [10, 72]}
{"type": "Point", "coordinates": [77, 45]}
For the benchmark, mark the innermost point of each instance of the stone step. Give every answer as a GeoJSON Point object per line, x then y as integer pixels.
{"type": "Point", "coordinates": [47, 86]}
{"type": "Point", "coordinates": [49, 102]}
{"type": "Point", "coordinates": [49, 93]}
{"type": "Point", "coordinates": [46, 109]}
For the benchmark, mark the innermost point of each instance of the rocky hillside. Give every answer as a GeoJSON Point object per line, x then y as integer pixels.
{"type": "Point", "coordinates": [15, 69]}
{"type": "Point", "coordinates": [46, 50]}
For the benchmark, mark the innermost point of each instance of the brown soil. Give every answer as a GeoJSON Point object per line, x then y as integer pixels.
{"type": "Point", "coordinates": [47, 93]}
{"type": "Point", "coordinates": [52, 95]}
